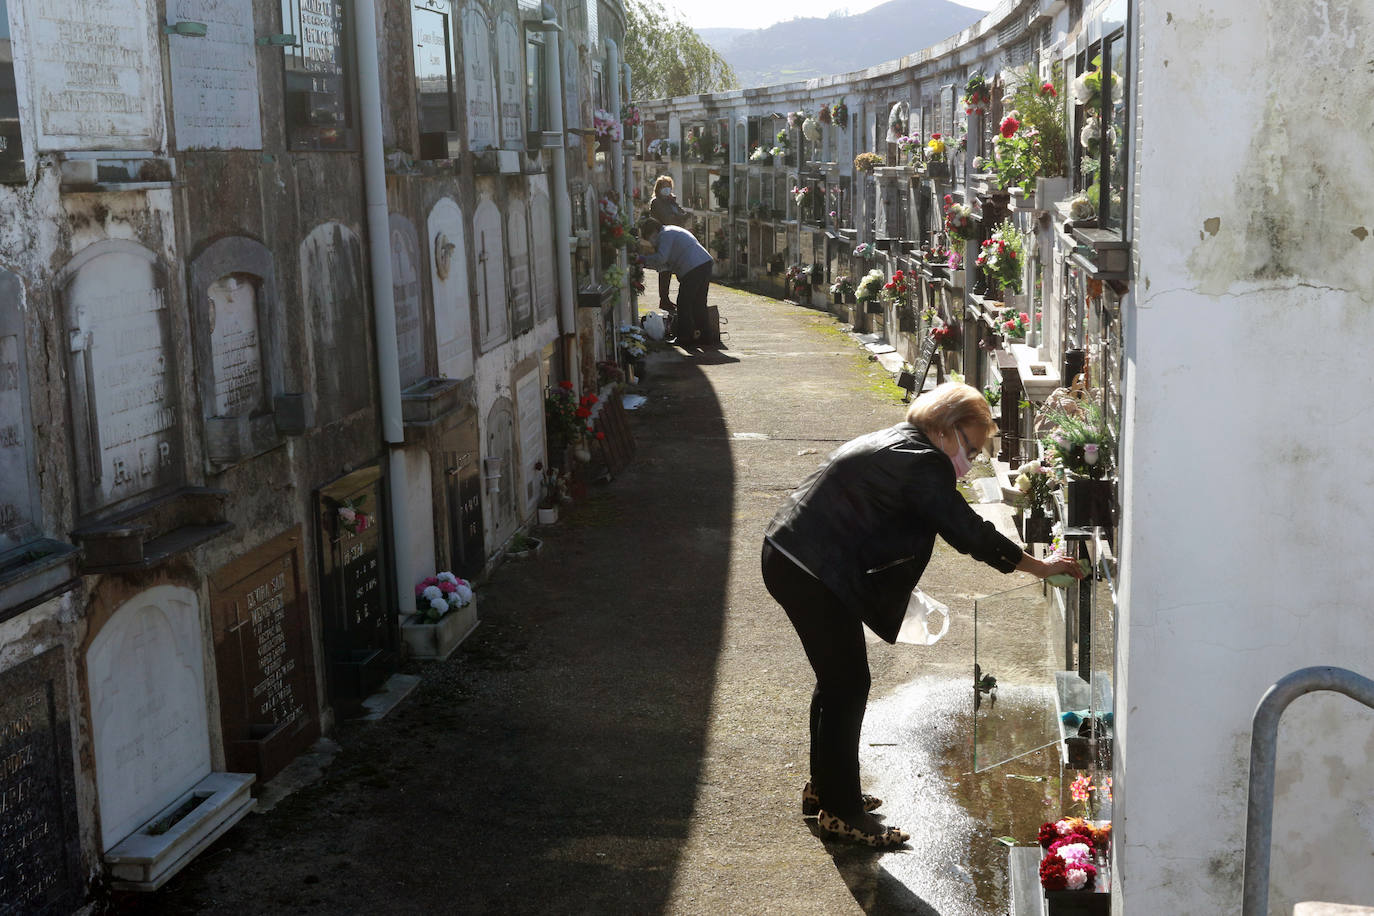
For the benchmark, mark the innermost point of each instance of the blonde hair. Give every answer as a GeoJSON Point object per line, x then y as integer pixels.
{"type": "Point", "coordinates": [663, 181]}
{"type": "Point", "coordinates": [952, 404]}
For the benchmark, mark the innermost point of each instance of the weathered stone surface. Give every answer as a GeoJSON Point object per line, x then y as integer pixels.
{"type": "Point", "coordinates": [448, 266]}
{"type": "Point", "coordinates": [149, 725]}
{"type": "Point", "coordinates": [215, 77]}
{"type": "Point", "coordinates": [332, 286]}
{"type": "Point", "coordinates": [405, 291]}
{"type": "Point", "coordinates": [16, 456]}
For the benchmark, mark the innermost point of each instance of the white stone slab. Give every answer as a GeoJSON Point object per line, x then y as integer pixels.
{"type": "Point", "coordinates": [541, 228]}
{"type": "Point", "coordinates": [511, 70]}
{"type": "Point", "coordinates": [489, 252]}
{"type": "Point", "coordinates": [146, 670]}
{"type": "Point", "coordinates": [449, 282]}
{"type": "Point", "coordinates": [215, 78]}
{"type": "Point", "coordinates": [529, 400]}
{"type": "Point", "coordinates": [95, 74]}
{"type": "Point", "coordinates": [152, 855]}
{"type": "Point", "coordinates": [235, 347]}
{"type": "Point", "coordinates": [405, 291]}
{"type": "Point", "coordinates": [518, 243]}
{"type": "Point", "coordinates": [481, 88]}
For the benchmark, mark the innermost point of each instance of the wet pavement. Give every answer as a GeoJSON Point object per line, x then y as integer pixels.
{"type": "Point", "coordinates": [626, 730]}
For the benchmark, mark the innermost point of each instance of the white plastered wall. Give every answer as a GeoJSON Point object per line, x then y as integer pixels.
{"type": "Point", "coordinates": [1247, 455]}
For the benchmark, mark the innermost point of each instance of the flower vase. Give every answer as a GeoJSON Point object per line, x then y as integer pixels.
{"type": "Point", "coordinates": [873, 306]}
{"type": "Point", "coordinates": [582, 453]}
{"type": "Point", "coordinates": [1037, 527]}
{"type": "Point", "coordinates": [436, 641]}
{"type": "Point", "coordinates": [839, 298]}
{"type": "Point", "coordinates": [1085, 902]}
{"type": "Point", "coordinates": [937, 169]}
{"type": "Point", "coordinates": [548, 515]}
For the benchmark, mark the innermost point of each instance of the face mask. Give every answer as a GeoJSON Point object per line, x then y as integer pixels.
{"type": "Point", "coordinates": [962, 465]}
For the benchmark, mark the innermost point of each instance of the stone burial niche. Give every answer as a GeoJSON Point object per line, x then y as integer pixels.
{"type": "Point", "coordinates": [239, 346]}
{"type": "Point", "coordinates": [125, 404]}
{"type": "Point", "coordinates": [161, 803]}
{"type": "Point", "coordinates": [265, 657]}
{"type": "Point", "coordinates": [40, 867]}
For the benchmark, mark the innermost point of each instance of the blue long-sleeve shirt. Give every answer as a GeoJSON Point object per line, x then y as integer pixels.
{"type": "Point", "coordinates": [678, 250]}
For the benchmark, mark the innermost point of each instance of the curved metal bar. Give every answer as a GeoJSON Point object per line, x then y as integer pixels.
{"type": "Point", "coordinates": [1264, 736]}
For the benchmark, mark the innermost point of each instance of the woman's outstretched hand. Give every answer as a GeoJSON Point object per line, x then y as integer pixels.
{"type": "Point", "coordinates": [1050, 566]}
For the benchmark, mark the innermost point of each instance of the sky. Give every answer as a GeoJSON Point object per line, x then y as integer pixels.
{"type": "Point", "coordinates": [718, 14]}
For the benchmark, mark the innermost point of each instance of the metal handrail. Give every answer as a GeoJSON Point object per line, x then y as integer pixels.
{"type": "Point", "coordinates": [1264, 738]}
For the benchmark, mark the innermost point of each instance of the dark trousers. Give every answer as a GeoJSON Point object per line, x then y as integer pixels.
{"type": "Point", "coordinates": [833, 639]}
{"type": "Point", "coordinates": [665, 279]}
{"type": "Point", "coordinates": [690, 324]}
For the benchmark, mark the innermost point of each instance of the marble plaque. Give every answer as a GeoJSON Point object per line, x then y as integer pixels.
{"type": "Point", "coordinates": [572, 89]}
{"type": "Point", "coordinates": [481, 91]}
{"type": "Point", "coordinates": [518, 235]}
{"type": "Point", "coordinates": [529, 398]}
{"type": "Point", "coordinates": [264, 657]}
{"type": "Point", "coordinates": [96, 74]}
{"type": "Point", "coordinates": [541, 227]}
{"type": "Point", "coordinates": [215, 78]}
{"type": "Point", "coordinates": [448, 266]}
{"type": "Point", "coordinates": [405, 290]}
{"type": "Point", "coordinates": [512, 84]}
{"type": "Point", "coordinates": [332, 287]}
{"type": "Point", "coordinates": [149, 725]}
{"type": "Point", "coordinates": [463, 495]}
{"type": "Point", "coordinates": [489, 253]}
{"type": "Point", "coordinates": [356, 607]}
{"type": "Point", "coordinates": [235, 347]}
{"type": "Point", "coordinates": [39, 849]}
{"type": "Point", "coordinates": [501, 495]}
{"type": "Point", "coordinates": [16, 456]}
{"type": "Point", "coordinates": [122, 379]}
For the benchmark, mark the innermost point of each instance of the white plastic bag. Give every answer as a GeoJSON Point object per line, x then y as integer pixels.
{"type": "Point", "coordinates": [926, 620]}
{"type": "Point", "coordinates": [653, 326]}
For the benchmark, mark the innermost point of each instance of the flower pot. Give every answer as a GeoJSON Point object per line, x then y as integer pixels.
{"type": "Point", "coordinates": [534, 545]}
{"type": "Point", "coordinates": [436, 641]}
{"type": "Point", "coordinates": [839, 298]}
{"type": "Point", "coordinates": [582, 453]}
{"type": "Point", "coordinates": [1090, 502]}
{"type": "Point", "coordinates": [548, 516]}
{"type": "Point", "coordinates": [873, 307]}
{"type": "Point", "coordinates": [1078, 903]}
{"type": "Point", "coordinates": [937, 169]}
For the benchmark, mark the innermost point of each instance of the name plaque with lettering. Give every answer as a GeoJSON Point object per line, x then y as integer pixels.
{"type": "Point", "coordinates": [319, 107]}
{"type": "Point", "coordinates": [265, 656]}
{"type": "Point", "coordinates": [39, 848]}
{"type": "Point", "coordinates": [96, 73]}
{"type": "Point", "coordinates": [16, 455]}
{"type": "Point", "coordinates": [481, 90]}
{"type": "Point", "coordinates": [359, 620]}
{"type": "Point", "coordinates": [215, 77]}
{"type": "Point", "coordinates": [124, 398]}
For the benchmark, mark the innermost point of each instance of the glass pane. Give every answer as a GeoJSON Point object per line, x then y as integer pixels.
{"type": "Point", "coordinates": [1115, 147]}
{"type": "Point", "coordinates": [1018, 651]}
{"type": "Point", "coordinates": [433, 67]}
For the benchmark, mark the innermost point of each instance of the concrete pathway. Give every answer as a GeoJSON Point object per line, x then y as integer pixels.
{"type": "Point", "coordinates": [626, 731]}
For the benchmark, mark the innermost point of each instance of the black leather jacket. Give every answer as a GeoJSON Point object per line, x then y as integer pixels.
{"type": "Point", "coordinates": [865, 523]}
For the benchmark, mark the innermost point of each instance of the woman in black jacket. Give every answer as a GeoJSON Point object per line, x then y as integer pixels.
{"type": "Point", "coordinates": [848, 547]}
{"type": "Point", "coordinates": [665, 208]}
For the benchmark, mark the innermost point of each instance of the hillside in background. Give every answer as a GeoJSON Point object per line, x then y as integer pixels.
{"type": "Point", "coordinates": [803, 48]}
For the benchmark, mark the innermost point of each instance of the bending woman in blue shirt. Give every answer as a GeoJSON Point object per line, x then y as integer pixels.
{"type": "Point", "coordinates": [676, 249]}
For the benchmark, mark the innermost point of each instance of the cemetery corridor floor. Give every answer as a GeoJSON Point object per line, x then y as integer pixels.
{"type": "Point", "coordinates": [626, 730]}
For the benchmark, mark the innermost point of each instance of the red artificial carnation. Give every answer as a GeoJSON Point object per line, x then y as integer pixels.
{"type": "Point", "coordinates": [1049, 90]}
{"type": "Point", "coordinates": [565, 385]}
{"type": "Point", "coordinates": [1024, 316]}
{"type": "Point", "coordinates": [1048, 834]}
{"type": "Point", "coordinates": [600, 435]}
{"type": "Point", "coordinates": [1010, 126]}
{"type": "Point", "coordinates": [1054, 876]}
{"type": "Point", "coordinates": [583, 412]}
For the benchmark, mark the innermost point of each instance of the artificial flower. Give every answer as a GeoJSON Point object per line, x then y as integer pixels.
{"type": "Point", "coordinates": [1010, 125]}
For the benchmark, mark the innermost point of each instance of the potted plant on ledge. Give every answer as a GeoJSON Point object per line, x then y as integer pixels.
{"type": "Point", "coordinates": [1078, 439]}
{"type": "Point", "coordinates": [843, 290]}
{"type": "Point", "coordinates": [869, 289]}
{"type": "Point", "coordinates": [445, 613]}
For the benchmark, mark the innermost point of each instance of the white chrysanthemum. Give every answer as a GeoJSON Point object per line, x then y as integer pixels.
{"type": "Point", "coordinates": [1076, 878]}
{"type": "Point", "coordinates": [1023, 483]}
{"type": "Point", "coordinates": [433, 593]}
{"type": "Point", "coordinates": [439, 604]}
{"type": "Point", "coordinates": [446, 577]}
{"type": "Point", "coordinates": [464, 595]}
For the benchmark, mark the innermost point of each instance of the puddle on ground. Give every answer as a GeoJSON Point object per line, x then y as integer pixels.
{"type": "Point", "coordinates": [917, 755]}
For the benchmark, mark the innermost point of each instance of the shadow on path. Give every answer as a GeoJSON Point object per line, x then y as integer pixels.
{"type": "Point", "coordinates": [551, 765]}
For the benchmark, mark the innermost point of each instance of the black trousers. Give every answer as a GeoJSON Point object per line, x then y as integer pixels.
{"type": "Point", "coordinates": [665, 279]}
{"type": "Point", "coordinates": [690, 324]}
{"type": "Point", "coordinates": [833, 639]}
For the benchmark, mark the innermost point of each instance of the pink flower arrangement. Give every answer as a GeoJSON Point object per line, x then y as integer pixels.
{"type": "Point", "coordinates": [436, 596]}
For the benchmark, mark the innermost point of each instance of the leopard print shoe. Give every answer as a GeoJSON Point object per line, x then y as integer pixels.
{"type": "Point", "coordinates": [811, 802]}
{"type": "Point", "coordinates": [887, 838]}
